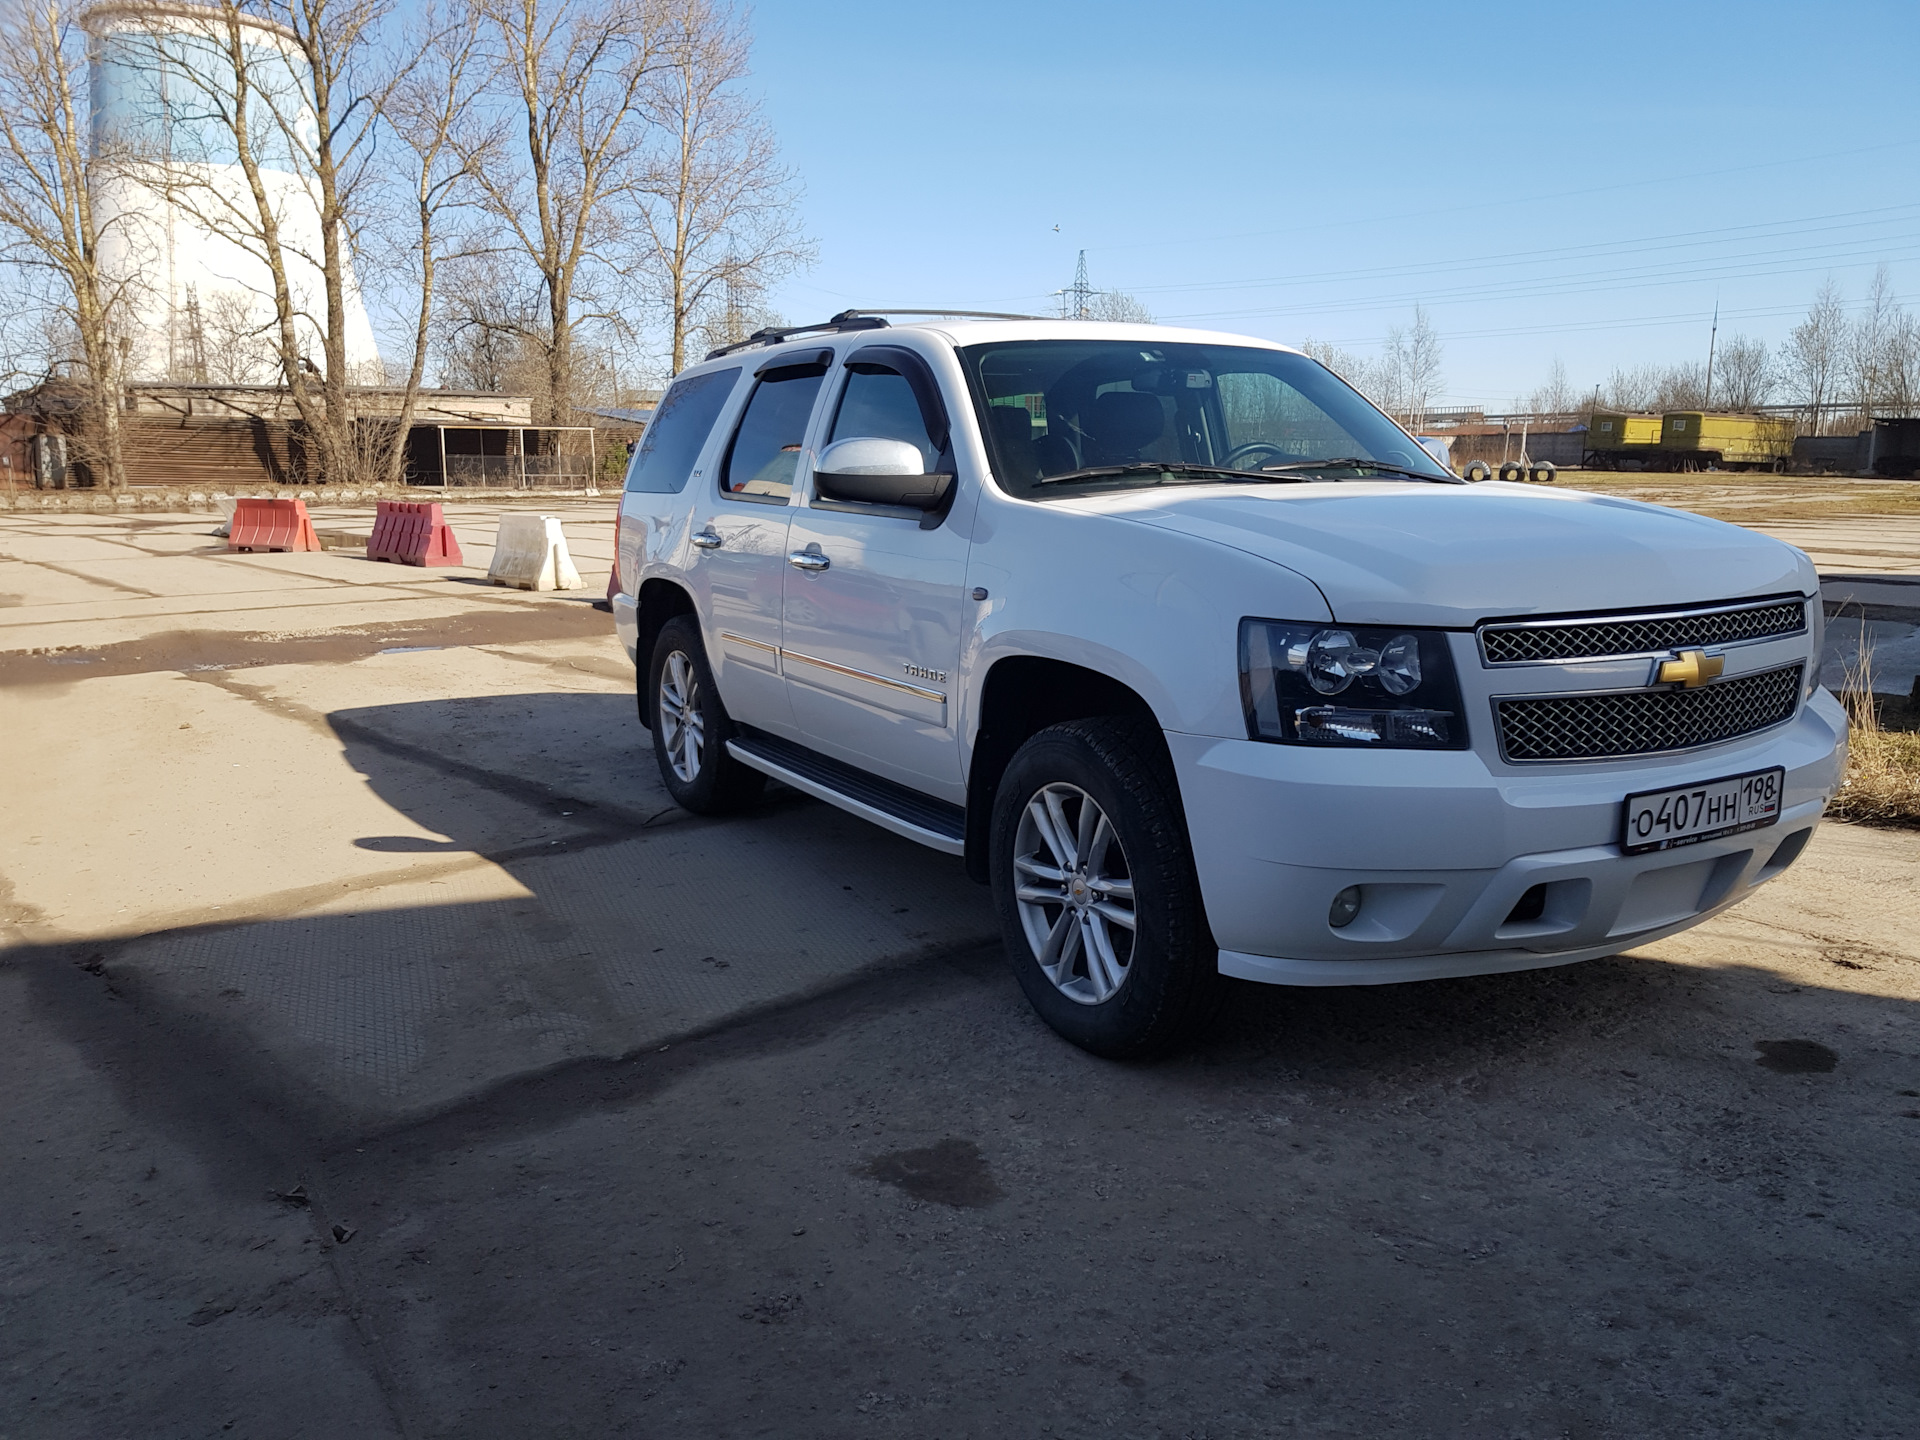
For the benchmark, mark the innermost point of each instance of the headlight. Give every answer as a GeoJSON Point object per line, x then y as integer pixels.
{"type": "Point", "coordinates": [1396, 687]}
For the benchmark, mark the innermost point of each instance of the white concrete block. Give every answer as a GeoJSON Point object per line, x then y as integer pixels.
{"type": "Point", "coordinates": [530, 553]}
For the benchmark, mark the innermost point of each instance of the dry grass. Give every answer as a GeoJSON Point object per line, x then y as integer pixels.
{"type": "Point", "coordinates": [1882, 784]}
{"type": "Point", "coordinates": [1754, 499]}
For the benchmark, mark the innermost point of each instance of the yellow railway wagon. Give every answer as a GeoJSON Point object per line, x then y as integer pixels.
{"type": "Point", "coordinates": [1623, 432]}
{"type": "Point", "coordinates": [1694, 438]}
{"type": "Point", "coordinates": [1613, 437]}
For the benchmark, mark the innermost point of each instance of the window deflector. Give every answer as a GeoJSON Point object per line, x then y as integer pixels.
{"type": "Point", "coordinates": [912, 368]}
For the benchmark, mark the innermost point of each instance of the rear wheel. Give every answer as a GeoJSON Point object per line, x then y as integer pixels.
{"type": "Point", "coordinates": [691, 727]}
{"type": "Point", "coordinates": [1098, 900]}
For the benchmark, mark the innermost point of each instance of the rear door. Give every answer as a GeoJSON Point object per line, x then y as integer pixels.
{"type": "Point", "coordinates": [872, 640]}
{"type": "Point", "coordinates": [738, 561]}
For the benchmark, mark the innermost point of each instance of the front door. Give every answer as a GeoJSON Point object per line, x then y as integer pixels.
{"type": "Point", "coordinates": [872, 636]}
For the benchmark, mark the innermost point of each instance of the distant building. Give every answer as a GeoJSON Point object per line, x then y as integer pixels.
{"type": "Point", "coordinates": [247, 436]}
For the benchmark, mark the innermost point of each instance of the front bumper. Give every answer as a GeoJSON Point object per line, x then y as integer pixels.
{"type": "Point", "coordinates": [1443, 847]}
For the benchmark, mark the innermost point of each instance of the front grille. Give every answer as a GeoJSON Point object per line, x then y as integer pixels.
{"type": "Point", "coordinates": [1602, 726]}
{"type": "Point", "coordinates": [1639, 635]}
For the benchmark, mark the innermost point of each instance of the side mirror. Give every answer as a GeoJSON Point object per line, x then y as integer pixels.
{"type": "Point", "coordinates": [869, 471]}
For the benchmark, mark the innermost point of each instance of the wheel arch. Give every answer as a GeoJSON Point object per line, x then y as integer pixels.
{"type": "Point", "coordinates": [1021, 696]}
{"type": "Point", "coordinates": [657, 603]}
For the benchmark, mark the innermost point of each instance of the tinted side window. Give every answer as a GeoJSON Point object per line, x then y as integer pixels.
{"type": "Point", "coordinates": [766, 448]}
{"type": "Point", "coordinates": [882, 406]}
{"type": "Point", "coordinates": [678, 429]}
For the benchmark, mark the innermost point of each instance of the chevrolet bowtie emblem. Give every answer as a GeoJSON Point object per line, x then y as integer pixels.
{"type": "Point", "coordinates": [1691, 668]}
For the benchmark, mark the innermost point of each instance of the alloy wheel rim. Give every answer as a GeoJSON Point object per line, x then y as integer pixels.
{"type": "Point", "coordinates": [683, 729]}
{"type": "Point", "coordinates": [1075, 893]}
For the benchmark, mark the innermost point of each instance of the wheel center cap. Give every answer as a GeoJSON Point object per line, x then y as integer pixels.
{"type": "Point", "coordinates": [1078, 892]}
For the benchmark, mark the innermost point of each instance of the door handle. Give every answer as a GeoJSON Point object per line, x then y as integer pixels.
{"type": "Point", "coordinates": [811, 560]}
{"type": "Point", "coordinates": [707, 540]}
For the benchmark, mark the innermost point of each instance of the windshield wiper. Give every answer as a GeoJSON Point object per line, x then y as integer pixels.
{"type": "Point", "coordinates": [1168, 467]}
{"type": "Point", "coordinates": [1355, 462]}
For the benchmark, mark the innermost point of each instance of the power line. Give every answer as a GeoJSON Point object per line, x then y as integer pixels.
{"type": "Point", "coordinates": [1686, 239]}
{"type": "Point", "coordinates": [1187, 241]}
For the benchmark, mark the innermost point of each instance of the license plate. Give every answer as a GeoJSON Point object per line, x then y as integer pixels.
{"type": "Point", "coordinates": [1661, 819]}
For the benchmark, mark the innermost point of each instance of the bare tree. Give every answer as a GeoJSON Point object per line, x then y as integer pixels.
{"type": "Point", "coordinates": [1555, 396]}
{"type": "Point", "coordinates": [48, 171]}
{"type": "Point", "coordinates": [1815, 351]}
{"type": "Point", "coordinates": [738, 311]}
{"type": "Point", "coordinates": [1410, 370]}
{"type": "Point", "coordinates": [1869, 344]}
{"type": "Point", "coordinates": [574, 75]}
{"type": "Point", "coordinates": [1743, 373]}
{"type": "Point", "coordinates": [1356, 370]}
{"type": "Point", "coordinates": [1900, 366]}
{"type": "Point", "coordinates": [1120, 307]}
{"type": "Point", "coordinates": [1631, 390]}
{"type": "Point", "coordinates": [239, 329]}
{"type": "Point", "coordinates": [283, 126]}
{"type": "Point", "coordinates": [719, 208]}
{"type": "Point", "coordinates": [429, 106]}
{"type": "Point", "coordinates": [488, 324]}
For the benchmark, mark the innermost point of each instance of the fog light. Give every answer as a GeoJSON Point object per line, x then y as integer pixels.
{"type": "Point", "coordinates": [1345, 906]}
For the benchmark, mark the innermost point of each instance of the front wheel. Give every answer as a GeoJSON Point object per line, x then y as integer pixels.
{"type": "Point", "coordinates": [691, 727]}
{"type": "Point", "coordinates": [1094, 882]}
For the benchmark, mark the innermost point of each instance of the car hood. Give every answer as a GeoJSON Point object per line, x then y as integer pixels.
{"type": "Point", "coordinates": [1398, 554]}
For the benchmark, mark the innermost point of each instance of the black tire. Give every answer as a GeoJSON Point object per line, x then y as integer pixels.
{"type": "Point", "coordinates": [1169, 984]}
{"type": "Point", "coordinates": [1543, 473]}
{"type": "Point", "coordinates": [1513, 472]}
{"type": "Point", "coordinates": [711, 781]}
{"type": "Point", "coordinates": [1478, 471]}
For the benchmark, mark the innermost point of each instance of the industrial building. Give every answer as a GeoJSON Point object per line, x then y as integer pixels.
{"type": "Point", "coordinates": [159, 72]}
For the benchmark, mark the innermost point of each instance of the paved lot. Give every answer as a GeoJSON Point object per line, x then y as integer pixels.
{"type": "Point", "coordinates": [595, 1119]}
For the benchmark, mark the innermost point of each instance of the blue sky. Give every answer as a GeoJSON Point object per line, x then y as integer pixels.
{"type": "Point", "coordinates": [1573, 181]}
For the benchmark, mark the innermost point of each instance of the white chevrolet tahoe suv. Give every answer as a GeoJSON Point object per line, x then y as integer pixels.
{"type": "Point", "coordinates": [1204, 665]}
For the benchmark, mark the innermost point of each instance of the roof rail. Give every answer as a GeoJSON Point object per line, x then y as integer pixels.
{"type": "Point", "coordinates": [773, 335]}
{"type": "Point", "coordinates": [952, 314]}
{"type": "Point", "coordinates": [853, 320]}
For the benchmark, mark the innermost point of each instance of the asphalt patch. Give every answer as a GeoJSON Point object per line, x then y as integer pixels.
{"type": "Point", "coordinates": [1795, 1057]}
{"type": "Point", "coordinates": [188, 651]}
{"type": "Point", "coordinates": [954, 1172]}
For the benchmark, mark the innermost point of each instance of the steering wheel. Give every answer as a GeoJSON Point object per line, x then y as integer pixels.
{"type": "Point", "coordinates": [1238, 457]}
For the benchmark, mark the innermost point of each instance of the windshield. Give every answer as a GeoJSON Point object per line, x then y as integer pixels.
{"type": "Point", "coordinates": [1058, 407]}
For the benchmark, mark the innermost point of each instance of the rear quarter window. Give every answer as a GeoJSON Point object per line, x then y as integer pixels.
{"type": "Point", "coordinates": [681, 423]}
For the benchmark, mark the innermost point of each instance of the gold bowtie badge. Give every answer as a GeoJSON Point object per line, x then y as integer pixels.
{"type": "Point", "coordinates": [1691, 668]}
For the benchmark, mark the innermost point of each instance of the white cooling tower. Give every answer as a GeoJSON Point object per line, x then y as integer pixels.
{"type": "Point", "coordinates": [178, 220]}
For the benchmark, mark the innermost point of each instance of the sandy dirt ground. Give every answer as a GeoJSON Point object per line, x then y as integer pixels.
{"type": "Point", "coordinates": [383, 1054]}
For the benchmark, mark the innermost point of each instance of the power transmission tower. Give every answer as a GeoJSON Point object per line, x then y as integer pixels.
{"type": "Point", "coordinates": [735, 326]}
{"type": "Point", "coordinates": [1073, 300]}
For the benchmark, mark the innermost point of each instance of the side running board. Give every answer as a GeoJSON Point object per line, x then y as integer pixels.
{"type": "Point", "coordinates": [933, 823]}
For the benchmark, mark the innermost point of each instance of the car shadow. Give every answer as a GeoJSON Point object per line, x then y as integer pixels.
{"type": "Point", "coordinates": [561, 911]}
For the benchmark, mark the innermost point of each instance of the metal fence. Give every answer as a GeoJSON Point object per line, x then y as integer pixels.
{"type": "Point", "coordinates": [520, 472]}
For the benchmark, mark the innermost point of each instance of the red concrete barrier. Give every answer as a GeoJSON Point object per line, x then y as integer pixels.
{"type": "Point", "coordinates": [412, 532]}
{"type": "Point", "coordinates": [271, 525]}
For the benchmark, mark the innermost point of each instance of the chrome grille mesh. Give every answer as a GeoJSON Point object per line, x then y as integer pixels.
{"type": "Point", "coordinates": [1645, 722]}
{"type": "Point", "coordinates": [1591, 640]}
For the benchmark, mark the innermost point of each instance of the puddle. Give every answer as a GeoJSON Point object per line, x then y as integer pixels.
{"type": "Point", "coordinates": [191, 650]}
{"type": "Point", "coordinates": [1795, 1057]}
{"type": "Point", "coordinates": [954, 1172]}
